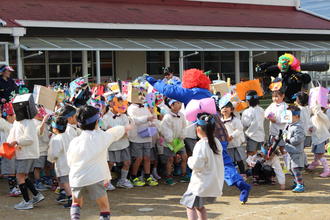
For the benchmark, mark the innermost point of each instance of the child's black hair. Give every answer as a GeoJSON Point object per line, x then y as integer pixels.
{"type": "Point", "coordinates": [252, 98]}
{"type": "Point", "coordinates": [294, 109]}
{"type": "Point", "coordinates": [209, 129]}
{"type": "Point", "coordinates": [230, 105]}
{"type": "Point", "coordinates": [167, 100]}
{"type": "Point", "coordinates": [68, 111]}
{"type": "Point", "coordinates": [85, 112]}
{"type": "Point", "coordinates": [302, 98]}
{"type": "Point", "coordinates": [107, 108]}
{"type": "Point", "coordinates": [61, 123]}
{"type": "Point", "coordinates": [278, 92]}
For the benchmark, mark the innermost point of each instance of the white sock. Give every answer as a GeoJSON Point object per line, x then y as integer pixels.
{"type": "Point", "coordinates": [124, 174]}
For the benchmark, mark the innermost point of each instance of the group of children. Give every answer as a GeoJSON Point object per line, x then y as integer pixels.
{"type": "Point", "coordinates": [146, 147]}
{"type": "Point", "coordinates": [294, 127]}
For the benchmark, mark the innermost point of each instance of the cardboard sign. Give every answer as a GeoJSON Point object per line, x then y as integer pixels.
{"type": "Point", "coordinates": [135, 95]}
{"type": "Point", "coordinates": [45, 97]}
{"type": "Point", "coordinates": [220, 86]}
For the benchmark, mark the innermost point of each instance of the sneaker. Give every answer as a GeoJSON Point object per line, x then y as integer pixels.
{"type": "Point", "coordinates": [24, 205]}
{"type": "Point", "coordinates": [177, 171]}
{"type": "Point", "coordinates": [185, 179]}
{"type": "Point", "coordinates": [325, 174]}
{"type": "Point", "coordinates": [125, 184]}
{"type": "Point", "coordinates": [38, 198]}
{"type": "Point", "coordinates": [57, 190]}
{"type": "Point", "coordinates": [110, 187]}
{"type": "Point", "coordinates": [62, 198]}
{"type": "Point", "coordinates": [285, 171]}
{"type": "Point", "coordinates": [299, 188]}
{"type": "Point", "coordinates": [68, 205]}
{"type": "Point", "coordinates": [156, 176]}
{"type": "Point", "coordinates": [151, 182]}
{"type": "Point", "coordinates": [40, 186]}
{"type": "Point", "coordinates": [14, 192]}
{"type": "Point", "coordinates": [169, 181]}
{"type": "Point", "coordinates": [137, 182]}
{"type": "Point", "coordinates": [47, 181]}
{"type": "Point", "coordinates": [313, 165]}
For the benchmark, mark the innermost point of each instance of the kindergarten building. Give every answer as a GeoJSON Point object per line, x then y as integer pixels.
{"type": "Point", "coordinates": [50, 41]}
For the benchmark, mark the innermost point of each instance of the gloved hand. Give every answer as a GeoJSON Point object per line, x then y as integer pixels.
{"type": "Point", "coordinates": [151, 80]}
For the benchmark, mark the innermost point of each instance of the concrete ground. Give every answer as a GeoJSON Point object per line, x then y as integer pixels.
{"type": "Point", "coordinates": [266, 202]}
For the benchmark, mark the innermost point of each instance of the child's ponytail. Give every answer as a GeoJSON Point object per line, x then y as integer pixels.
{"type": "Point", "coordinates": [207, 123]}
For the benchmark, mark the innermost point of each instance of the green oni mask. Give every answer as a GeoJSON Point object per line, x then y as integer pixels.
{"type": "Point", "coordinates": [283, 64]}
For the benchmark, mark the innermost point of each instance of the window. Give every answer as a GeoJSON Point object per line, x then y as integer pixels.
{"type": "Point", "coordinates": [105, 63]}
{"type": "Point", "coordinates": [155, 62]}
{"type": "Point", "coordinates": [34, 66]}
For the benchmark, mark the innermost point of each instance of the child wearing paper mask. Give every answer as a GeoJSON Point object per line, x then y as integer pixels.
{"type": "Point", "coordinates": [119, 151]}
{"type": "Point", "coordinates": [235, 136]}
{"type": "Point", "coordinates": [40, 120]}
{"type": "Point", "coordinates": [320, 136]}
{"type": "Point", "coordinates": [276, 113]}
{"type": "Point", "coordinates": [57, 154]}
{"type": "Point", "coordinates": [294, 137]}
{"type": "Point", "coordinates": [172, 127]}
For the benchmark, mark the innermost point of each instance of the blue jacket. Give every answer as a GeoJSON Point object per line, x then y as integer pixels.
{"type": "Point", "coordinates": [177, 92]}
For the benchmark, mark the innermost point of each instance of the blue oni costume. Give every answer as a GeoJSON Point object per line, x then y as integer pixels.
{"type": "Point", "coordinates": [184, 95]}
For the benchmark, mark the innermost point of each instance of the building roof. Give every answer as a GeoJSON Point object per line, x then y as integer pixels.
{"type": "Point", "coordinates": [158, 12]}
{"type": "Point", "coordinates": [318, 7]}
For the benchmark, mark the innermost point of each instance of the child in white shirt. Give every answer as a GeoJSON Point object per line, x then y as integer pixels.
{"type": "Point", "coordinates": [40, 121]}
{"type": "Point", "coordinates": [253, 123]}
{"type": "Point", "coordinates": [69, 112]}
{"type": "Point", "coordinates": [24, 137]}
{"type": "Point", "coordinates": [141, 144]}
{"type": "Point", "coordinates": [119, 151]}
{"type": "Point", "coordinates": [236, 136]}
{"type": "Point", "coordinates": [207, 167]}
{"type": "Point", "coordinates": [8, 167]}
{"type": "Point", "coordinates": [275, 113]}
{"type": "Point", "coordinates": [57, 154]}
{"type": "Point", "coordinates": [87, 159]}
{"type": "Point", "coordinates": [320, 136]}
{"type": "Point", "coordinates": [305, 119]}
{"type": "Point", "coordinates": [172, 127]}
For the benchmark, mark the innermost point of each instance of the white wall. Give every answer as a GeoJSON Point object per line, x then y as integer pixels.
{"type": "Point", "coordinates": [130, 64]}
{"type": "Point", "coordinates": [258, 2]}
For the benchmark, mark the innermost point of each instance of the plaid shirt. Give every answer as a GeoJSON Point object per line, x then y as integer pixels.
{"type": "Point", "coordinates": [220, 129]}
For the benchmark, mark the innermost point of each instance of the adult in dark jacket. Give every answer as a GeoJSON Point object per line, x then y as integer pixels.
{"type": "Point", "coordinates": [7, 84]}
